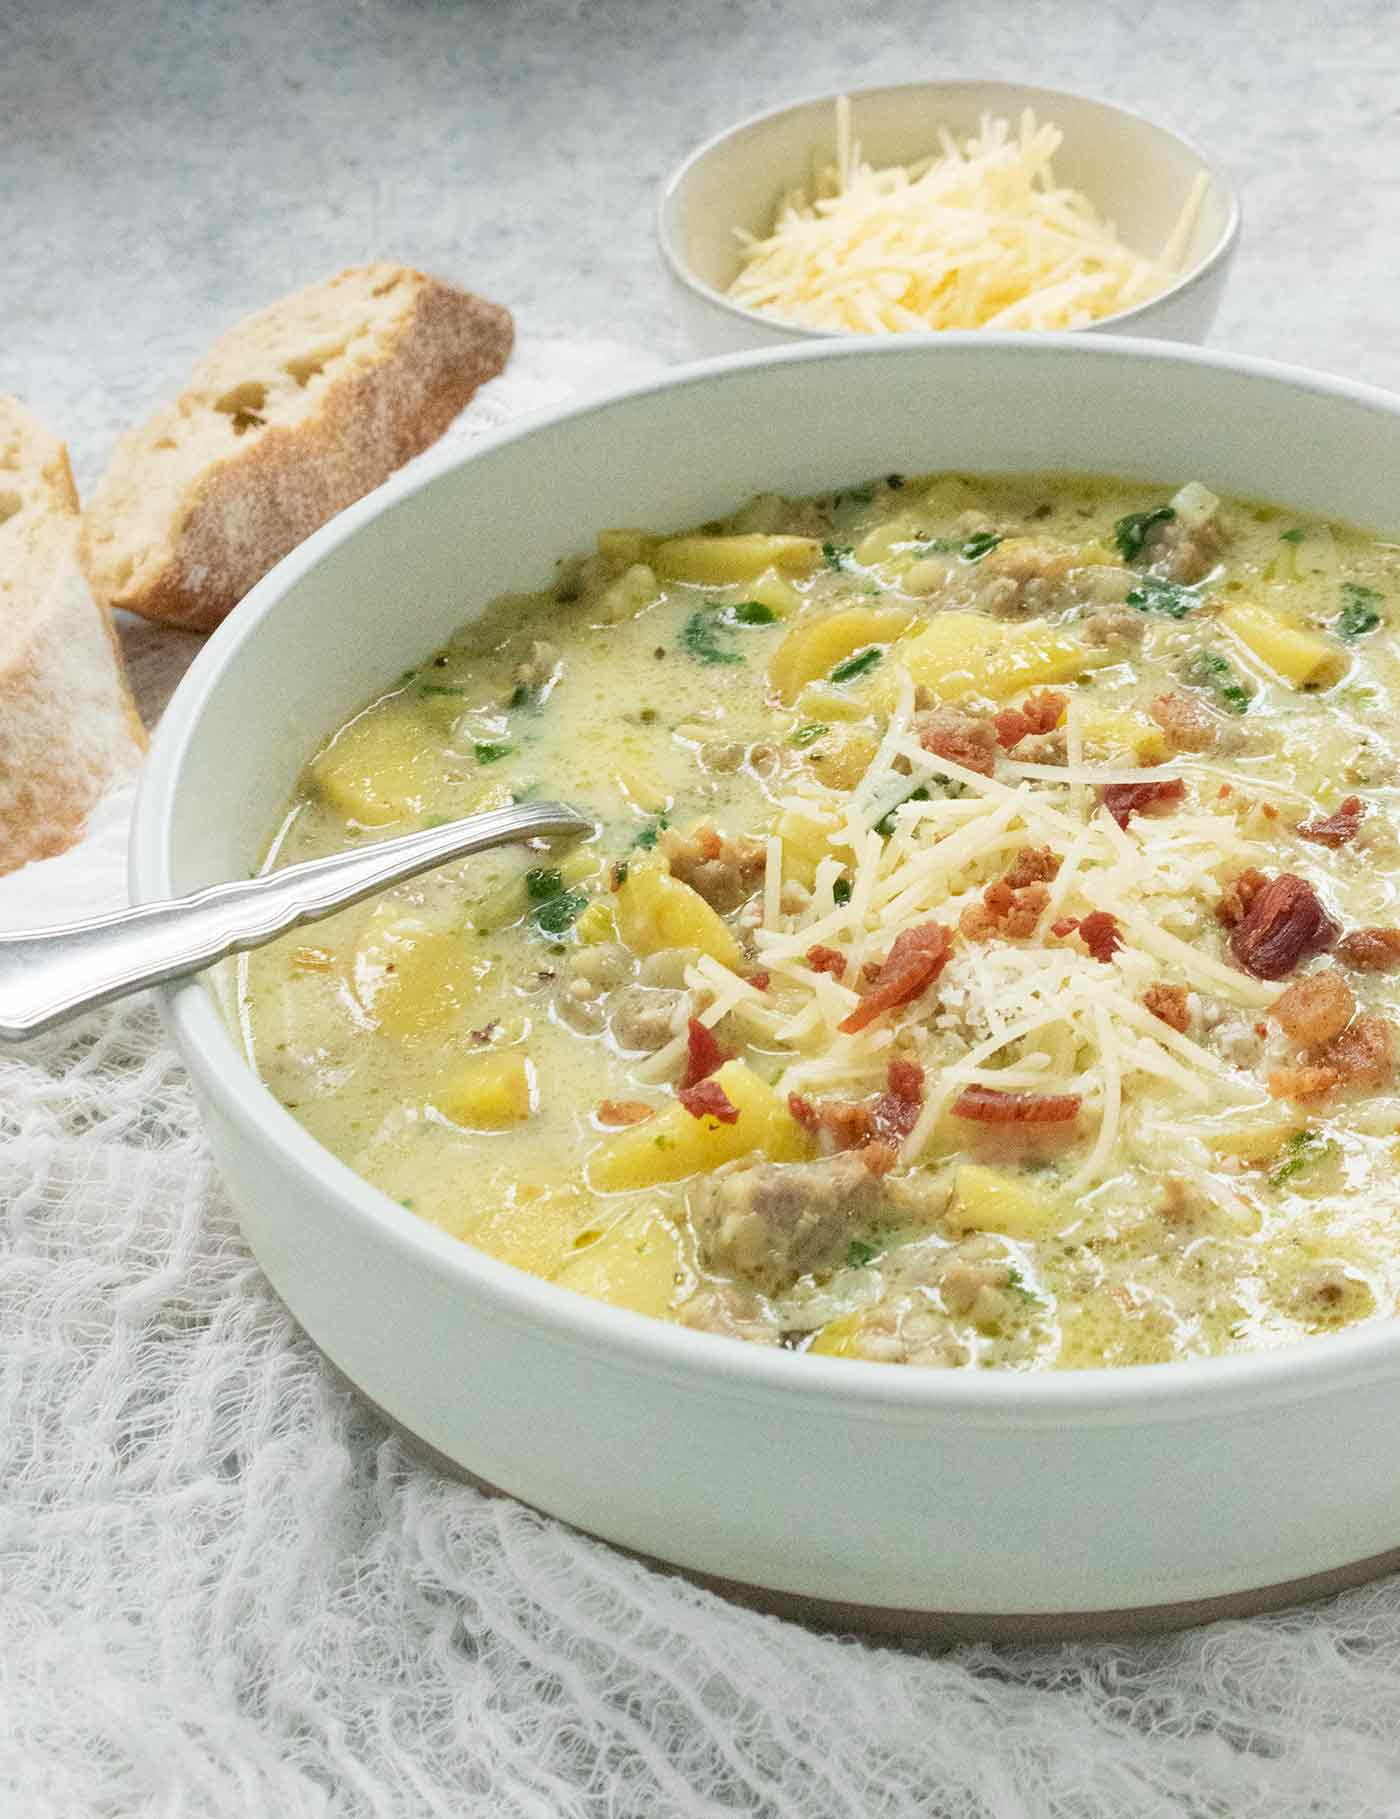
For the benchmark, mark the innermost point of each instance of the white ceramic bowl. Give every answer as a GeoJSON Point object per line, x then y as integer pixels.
{"type": "Point", "coordinates": [902, 1491]}
{"type": "Point", "coordinates": [1138, 174]}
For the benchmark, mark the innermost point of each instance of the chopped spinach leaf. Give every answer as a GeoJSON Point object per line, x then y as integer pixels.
{"type": "Point", "coordinates": [1361, 611]}
{"type": "Point", "coordinates": [1209, 670]}
{"type": "Point", "coordinates": [1130, 533]}
{"type": "Point", "coordinates": [1301, 1151]}
{"type": "Point", "coordinates": [490, 754]}
{"type": "Point", "coordinates": [543, 882]}
{"type": "Point", "coordinates": [749, 612]}
{"type": "Point", "coordinates": [1294, 536]}
{"type": "Point", "coordinates": [560, 912]}
{"type": "Point", "coordinates": [884, 827]}
{"type": "Point", "coordinates": [1166, 599]}
{"type": "Point", "coordinates": [699, 636]}
{"type": "Point", "coordinates": [806, 734]}
{"type": "Point", "coordinates": [841, 891]}
{"type": "Point", "coordinates": [851, 667]}
{"type": "Point", "coordinates": [836, 555]}
{"type": "Point", "coordinates": [980, 544]}
{"type": "Point", "coordinates": [520, 696]}
{"type": "Point", "coordinates": [859, 1253]}
{"type": "Point", "coordinates": [648, 836]}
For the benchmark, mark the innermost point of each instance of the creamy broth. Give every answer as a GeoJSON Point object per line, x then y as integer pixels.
{"type": "Point", "coordinates": [983, 957]}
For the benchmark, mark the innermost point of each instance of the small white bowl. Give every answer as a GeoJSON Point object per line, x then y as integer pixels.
{"type": "Point", "coordinates": [1137, 174]}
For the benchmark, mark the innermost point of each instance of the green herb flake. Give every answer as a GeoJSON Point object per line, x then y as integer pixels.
{"type": "Point", "coordinates": [543, 882]}
{"type": "Point", "coordinates": [859, 1253]}
{"type": "Point", "coordinates": [1361, 611]}
{"type": "Point", "coordinates": [491, 754]}
{"type": "Point", "coordinates": [1164, 599]}
{"type": "Point", "coordinates": [560, 912]}
{"type": "Point", "coordinates": [978, 545]}
{"type": "Point", "coordinates": [699, 636]}
{"type": "Point", "coordinates": [855, 495]}
{"type": "Point", "coordinates": [1296, 535]}
{"type": "Point", "coordinates": [858, 665]}
{"type": "Point", "coordinates": [651, 832]}
{"type": "Point", "coordinates": [1302, 1150]}
{"type": "Point", "coordinates": [428, 689]}
{"type": "Point", "coordinates": [806, 735]}
{"type": "Point", "coordinates": [884, 827]}
{"type": "Point", "coordinates": [841, 890]}
{"type": "Point", "coordinates": [1130, 533]}
{"type": "Point", "coordinates": [1209, 670]}
{"type": "Point", "coordinates": [1015, 1285]}
{"type": "Point", "coordinates": [750, 612]}
{"type": "Point", "coordinates": [619, 877]}
{"type": "Point", "coordinates": [836, 555]}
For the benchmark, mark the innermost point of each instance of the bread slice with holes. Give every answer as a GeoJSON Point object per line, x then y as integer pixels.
{"type": "Point", "coordinates": [68, 726]}
{"type": "Point", "coordinates": [290, 417]}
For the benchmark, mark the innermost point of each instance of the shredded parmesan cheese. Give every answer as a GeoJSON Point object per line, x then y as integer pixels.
{"type": "Point", "coordinates": [977, 235]}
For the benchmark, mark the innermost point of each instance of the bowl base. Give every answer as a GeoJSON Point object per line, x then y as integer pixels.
{"type": "Point", "coordinates": [931, 1628]}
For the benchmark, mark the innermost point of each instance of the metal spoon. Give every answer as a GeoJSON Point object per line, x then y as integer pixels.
{"type": "Point", "coordinates": [50, 975]}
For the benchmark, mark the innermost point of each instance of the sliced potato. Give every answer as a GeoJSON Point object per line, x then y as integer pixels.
{"type": "Point", "coordinates": [718, 561]}
{"type": "Point", "coordinates": [674, 1144]}
{"type": "Point", "coordinates": [635, 1263]}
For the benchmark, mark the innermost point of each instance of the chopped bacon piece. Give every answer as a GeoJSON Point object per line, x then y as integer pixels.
{"type": "Point", "coordinates": [988, 1105]}
{"type": "Point", "coordinates": [709, 1100]}
{"type": "Point", "coordinates": [1302, 1082]}
{"type": "Point", "coordinates": [914, 961]}
{"type": "Point", "coordinates": [1039, 713]}
{"type": "Point", "coordinates": [1124, 800]}
{"type": "Point", "coordinates": [960, 738]}
{"type": "Point", "coordinates": [897, 1109]}
{"type": "Point", "coordinates": [1189, 726]}
{"type": "Point", "coordinates": [1004, 911]}
{"type": "Point", "coordinates": [1099, 933]}
{"type": "Point", "coordinates": [1336, 829]}
{"type": "Point", "coordinates": [1371, 950]}
{"type": "Point", "coordinates": [1032, 865]}
{"type": "Point", "coordinates": [1170, 1003]}
{"type": "Point", "coordinates": [880, 1158]}
{"type": "Point", "coordinates": [703, 1055]}
{"type": "Point", "coordinates": [906, 1081]}
{"type": "Point", "coordinates": [1284, 923]}
{"type": "Point", "coordinates": [1315, 1010]}
{"type": "Point", "coordinates": [1239, 893]}
{"type": "Point", "coordinates": [760, 981]}
{"type": "Point", "coordinates": [850, 1122]}
{"type": "Point", "coordinates": [1065, 926]}
{"type": "Point", "coordinates": [827, 960]}
{"type": "Point", "coordinates": [623, 1111]}
{"type": "Point", "coordinates": [1364, 1054]}
{"type": "Point", "coordinates": [803, 1112]}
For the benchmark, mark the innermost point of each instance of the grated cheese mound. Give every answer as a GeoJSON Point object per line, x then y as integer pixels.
{"type": "Point", "coordinates": [1024, 1015]}
{"type": "Point", "coordinates": [978, 235]}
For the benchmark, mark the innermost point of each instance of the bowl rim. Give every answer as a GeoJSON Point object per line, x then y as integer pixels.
{"type": "Point", "coordinates": [1102, 1395]}
{"type": "Point", "coordinates": [666, 209]}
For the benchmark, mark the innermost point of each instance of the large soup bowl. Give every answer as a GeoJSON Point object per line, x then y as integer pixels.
{"type": "Point", "coordinates": [861, 1494]}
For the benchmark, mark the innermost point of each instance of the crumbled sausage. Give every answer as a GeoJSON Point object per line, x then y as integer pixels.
{"type": "Point", "coordinates": [1183, 552]}
{"type": "Point", "coordinates": [1336, 829]}
{"type": "Point", "coordinates": [869, 1125]}
{"type": "Point", "coordinates": [724, 870]}
{"type": "Point", "coordinates": [960, 738]}
{"type": "Point", "coordinates": [1237, 896]}
{"type": "Point", "coordinates": [539, 667]}
{"type": "Point", "coordinates": [1005, 911]}
{"type": "Point", "coordinates": [827, 960]}
{"type": "Point", "coordinates": [1098, 931]}
{"type": "Point", "coordinates": [1285, 922]}
{"type": "Point", "coordinates": [1302, 1082]}
{"type": "Point", "coordinates": [1124, 800]}
{"type": "Point", "coordinates": [1363, 1055]}
{"type": "Point", "coordinates": [1189, 725]}
{"type": "Point", "coordinates": [1032, 865]}
{"type": "Point", "coordinates": [1314, 1010]}
{"type": "Point", "coordinates": [1170, 1003]}
{"type": "Point", "coordinates": [774, 1222]}
{"type": "Point", "coordinates": [962, 1282]}
{"type": "Point", "coordinates": [1371, 950]}
{"type": "Point", "coordinates": [642, 1018]}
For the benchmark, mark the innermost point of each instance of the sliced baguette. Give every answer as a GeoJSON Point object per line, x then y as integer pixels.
{"type": "Point", "coordinates": [290, 417]}
{"type": "Point", "coordinates": [68, 725]}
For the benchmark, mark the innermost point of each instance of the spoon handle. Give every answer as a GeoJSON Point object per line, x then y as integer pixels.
{"type": "Point", "coordinates": [50, 975]}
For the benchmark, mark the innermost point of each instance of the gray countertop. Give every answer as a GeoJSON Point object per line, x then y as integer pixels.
{"type": "Point", "coordinates": [169, 165]}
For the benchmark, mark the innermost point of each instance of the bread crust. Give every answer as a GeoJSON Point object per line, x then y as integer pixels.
{"type": "Point", "coordinates": [381, 401]}
{"type": "Point", "coordinates": [68, 724]}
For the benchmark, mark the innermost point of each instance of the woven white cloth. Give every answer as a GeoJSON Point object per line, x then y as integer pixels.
{"type": "Point", "coordinates": [226, 1591]}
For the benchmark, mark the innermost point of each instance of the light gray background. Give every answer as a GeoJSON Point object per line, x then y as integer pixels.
{"type": "Point", "coordinates": [168, 165]}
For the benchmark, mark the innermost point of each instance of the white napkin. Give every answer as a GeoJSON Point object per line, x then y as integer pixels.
{"type": "Point", "coordinates": [226, 1590]}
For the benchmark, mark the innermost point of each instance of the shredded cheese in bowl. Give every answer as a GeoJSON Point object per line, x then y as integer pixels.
{"type": "Point", "coordinates": [977, 235]}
